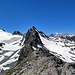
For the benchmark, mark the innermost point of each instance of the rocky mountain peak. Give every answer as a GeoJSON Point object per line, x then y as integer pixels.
{"type": "Point", "coordinates": [32, 36]}
{"type": "Point", "coordinates": [17, 33]}
{"type": "Point", "coordinates": [32, 39]}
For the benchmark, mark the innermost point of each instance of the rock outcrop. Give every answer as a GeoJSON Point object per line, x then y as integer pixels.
{"type": "Point", "coordinates": [35, 58]}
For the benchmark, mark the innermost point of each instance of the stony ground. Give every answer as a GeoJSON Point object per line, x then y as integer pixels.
{"type": "Point", "coordinates": [42, 65]}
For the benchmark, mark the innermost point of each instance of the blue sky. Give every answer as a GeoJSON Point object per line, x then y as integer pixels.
{"type": "Point", "coordinates": [50, 16]}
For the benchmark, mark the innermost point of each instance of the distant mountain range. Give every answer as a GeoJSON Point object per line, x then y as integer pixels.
{"type": "Point", "coordinates": [36, 53]}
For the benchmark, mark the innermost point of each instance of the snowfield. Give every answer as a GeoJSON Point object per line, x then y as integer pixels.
{"type": "Point", "coordinates": [9, 51]}
{"type": "Point", "coordinates": [59, 49]}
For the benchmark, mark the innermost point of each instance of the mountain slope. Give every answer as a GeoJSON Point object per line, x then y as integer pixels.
{"type": "Point", "coordinates": [43, 55]}
{"type": "Point", "coordinates": [10, 46]}
{"type": "Point", "coordinates": [61, 49]}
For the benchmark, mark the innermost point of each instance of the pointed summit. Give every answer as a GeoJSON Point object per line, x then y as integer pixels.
{"type": "Point", "coordinates": [32, 39]}
{"type": "Point", "coordinates": [17, 33]}
{"type": "Point", "coordinates": [33, 29]}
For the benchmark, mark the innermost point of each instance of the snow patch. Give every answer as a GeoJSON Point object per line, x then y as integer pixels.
{"type": "Point", "coordinates": [57, 48]}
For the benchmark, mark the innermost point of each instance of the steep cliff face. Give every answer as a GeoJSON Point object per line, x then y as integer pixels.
{"type": "Point", "coordinates": [43, 55]}
{"type": "Point", "coordinates": [32, 39]}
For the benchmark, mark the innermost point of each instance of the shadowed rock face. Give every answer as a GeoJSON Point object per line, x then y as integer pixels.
{"type": "Point", "coordinates": [71, 38]}
{"type": "Point", "coordinates": [17, 33]}
{"type": "Point", "coordinates": [31, 39]}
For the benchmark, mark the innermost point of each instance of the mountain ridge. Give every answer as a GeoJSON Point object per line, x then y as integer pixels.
{"type": "Point", "coordinates": [31, 49]}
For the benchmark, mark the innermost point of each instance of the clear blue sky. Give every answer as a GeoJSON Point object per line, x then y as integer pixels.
{"type": "Point", "coordinates": [50, 16]}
